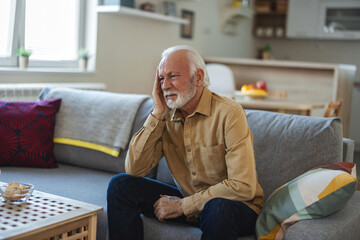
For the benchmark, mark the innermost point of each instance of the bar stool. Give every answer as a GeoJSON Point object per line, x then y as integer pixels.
{"type": "Point", "coordinates": [333, 108]}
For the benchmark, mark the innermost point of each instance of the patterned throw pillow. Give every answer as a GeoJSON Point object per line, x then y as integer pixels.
{"type": "Point", "coordinates": [27, 133]}
{"type": "Point", "coordinates": [316, 193]}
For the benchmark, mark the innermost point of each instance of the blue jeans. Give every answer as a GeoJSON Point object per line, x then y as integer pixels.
{"type": "Point", "coordinates": [128, 197]}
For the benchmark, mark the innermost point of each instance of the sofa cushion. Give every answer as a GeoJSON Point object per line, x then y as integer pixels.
{"type": "Point", "coordinates": [94, 119]}
{"type": "Point", "coordinates": [97, 160]}
{"type": "Point", "coordinates": [289, 145]}
{"type": "Point", "coordinates": [27, 133]}
{"type": "Point", "coordinates": [315, 194]}
{"type": "Point", "coordinates": [92, 158]}
{"type": "Point", "coordinates": [155, 230]}
{"type": "Point", "coordinates": [343, 224]}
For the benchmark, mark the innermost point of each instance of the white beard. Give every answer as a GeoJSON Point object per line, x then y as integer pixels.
{"type": "Point", "coordinates": [182, 97]}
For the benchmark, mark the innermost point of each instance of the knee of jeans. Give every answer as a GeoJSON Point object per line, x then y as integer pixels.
{"type": "Point", "coordinates": [116, 181]}
{"type": "Point", "coordinates": [217, 206]}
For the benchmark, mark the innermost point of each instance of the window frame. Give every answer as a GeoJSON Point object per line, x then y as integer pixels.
{"type": "Point", "coordinates": [18, 38]}
{"type": "Point", "coordinates": [11, 60]}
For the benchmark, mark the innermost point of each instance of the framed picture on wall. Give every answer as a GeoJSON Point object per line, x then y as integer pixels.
{"type": "Point", "coordinates": [187, 29]}
{"type": "Point", "coordinates": [169, 9]}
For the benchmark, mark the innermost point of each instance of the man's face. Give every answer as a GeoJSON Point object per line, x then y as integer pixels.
{"type": "Point", "coordinates": [176, 81]}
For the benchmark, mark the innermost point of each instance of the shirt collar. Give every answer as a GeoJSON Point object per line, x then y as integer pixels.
{"type": "Point", "coordinates": [203, 107]}
{"type": "Point", "coordinates": [176, 116]}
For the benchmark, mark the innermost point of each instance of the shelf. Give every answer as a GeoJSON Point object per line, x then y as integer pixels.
{"type": "Point", "coordinates": [232, 16]}
{"type": "Point", "coordinates": [271, 13]}
{"type": "Point", "coordinates": [239, 12]}
{"type": "Point", "coordinates": [139, 13]}
{"type": "Point", "coordinates": [270, 25]}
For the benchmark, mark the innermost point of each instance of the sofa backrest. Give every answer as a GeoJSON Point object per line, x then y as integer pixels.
{"type": "Point", "coordinates": [91, 158]}
{"type": "Point", "coordinates": [287, 145]}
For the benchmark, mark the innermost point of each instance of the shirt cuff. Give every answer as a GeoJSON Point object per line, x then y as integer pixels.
{"type": "Point", "coordinates": [189, 207]}
{"type": "Point", "coordinates": [152, 123]}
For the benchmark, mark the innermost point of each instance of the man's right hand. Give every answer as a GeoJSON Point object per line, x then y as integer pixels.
{"type": "Point", "coordinates": [160, 108]}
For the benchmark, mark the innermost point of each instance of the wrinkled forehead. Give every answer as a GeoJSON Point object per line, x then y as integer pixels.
{"type": "Point", "coordinates": [177, 61]}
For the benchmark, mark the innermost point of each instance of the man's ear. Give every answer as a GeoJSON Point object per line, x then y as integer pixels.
{"type": "Point", "coordinates": [199, 77]}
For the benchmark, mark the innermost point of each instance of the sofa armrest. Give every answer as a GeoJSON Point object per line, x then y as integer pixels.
{"type": "Point", "coordinates": [343, 224]}
{"type": "Point", "coordinates": [348, 150]}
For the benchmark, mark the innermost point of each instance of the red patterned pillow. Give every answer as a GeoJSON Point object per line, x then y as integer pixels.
{"type": "Point", "coordinates": [27, 133]}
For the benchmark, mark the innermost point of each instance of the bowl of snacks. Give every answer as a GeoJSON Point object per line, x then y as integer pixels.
{"type": "Point", "coordinates": [16, 193]}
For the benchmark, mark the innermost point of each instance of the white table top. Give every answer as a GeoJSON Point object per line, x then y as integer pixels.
{"type": "Point", "coordinates": [41, 210]}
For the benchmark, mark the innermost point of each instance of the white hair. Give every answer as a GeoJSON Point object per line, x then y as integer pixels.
{"type": "Point", "coordinates": [195, 60]}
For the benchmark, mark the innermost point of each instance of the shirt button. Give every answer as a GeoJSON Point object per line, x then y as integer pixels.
{"type": "Point", "coordinates": [193, 173]}
{"type": "Point", "coordinates": [188, 149]}
{"type": "Point", "coordinates": [152, 124]}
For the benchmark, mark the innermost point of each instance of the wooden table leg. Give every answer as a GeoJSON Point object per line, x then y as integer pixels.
{"type": "Point", "coordinates": [92, 227]}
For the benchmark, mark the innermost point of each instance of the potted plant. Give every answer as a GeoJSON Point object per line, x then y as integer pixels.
{"type": "Point", "coordinates": [23, 57]}
{"type": "Point", "coordinates": [83, 58]}
{"type": "Point", "coordinates": [266, 52]}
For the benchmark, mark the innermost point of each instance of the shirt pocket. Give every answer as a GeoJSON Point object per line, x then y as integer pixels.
{"type": "Point", "coordinates": [213, 163]}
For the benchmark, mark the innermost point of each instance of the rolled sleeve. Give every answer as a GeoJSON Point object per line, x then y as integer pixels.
{"type": "Point", "coordinates": [145, 148]}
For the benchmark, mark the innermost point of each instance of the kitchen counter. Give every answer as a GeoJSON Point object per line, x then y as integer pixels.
{"type": "Point", "coordinates": [309, 86]}
{"type": "Point", "coordinates": [279, 103]}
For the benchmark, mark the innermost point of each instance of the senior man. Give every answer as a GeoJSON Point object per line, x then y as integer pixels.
{"type": "Point", "coordinates": [208, 147]}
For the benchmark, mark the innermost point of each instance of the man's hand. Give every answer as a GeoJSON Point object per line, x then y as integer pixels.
{"type": "Point", "coordinates": [168, 207]}
{"type": "Point", "coordinates": [160, 108]}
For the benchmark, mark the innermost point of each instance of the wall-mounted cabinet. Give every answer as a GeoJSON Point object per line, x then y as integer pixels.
{"type": "Point", "coordinates": [324, 19]}
{"type": "Point", "coordinates": [307, 19]}
{"type": "Point", "coordinates": [270, 18]}
{"type": "Point", "coordinates": [302, 18]}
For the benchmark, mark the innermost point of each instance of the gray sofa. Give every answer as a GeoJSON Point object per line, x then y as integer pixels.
{"type": "Point", "coordinates": [285, 147]}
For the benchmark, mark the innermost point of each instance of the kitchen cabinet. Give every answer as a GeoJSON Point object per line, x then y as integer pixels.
{"type": "Point", "coordinates": [302, 19]}
{"type": "Point", "coordinates": [323, 19]}
{"type": "Point", "coordinates": [339, 20]}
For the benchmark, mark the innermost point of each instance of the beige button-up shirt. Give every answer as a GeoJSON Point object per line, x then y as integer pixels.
{"type": "Point", "coordinates": [210, 153]}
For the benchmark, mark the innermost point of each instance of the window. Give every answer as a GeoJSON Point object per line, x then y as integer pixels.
{"type": "Point", "coordinates": [52, 30]}
{"type": "Point", "coordinates": [5, 28]}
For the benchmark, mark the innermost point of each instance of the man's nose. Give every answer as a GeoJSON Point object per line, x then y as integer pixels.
{"type": "Point", "coordinates": [166, 83]}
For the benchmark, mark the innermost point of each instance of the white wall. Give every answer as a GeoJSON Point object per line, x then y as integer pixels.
{"type": "Point", "coordinates": [215, 42]}
{"type": "Point", "coordinates": [129, 48]}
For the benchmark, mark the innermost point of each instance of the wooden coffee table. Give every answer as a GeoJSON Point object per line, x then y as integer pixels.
{"type": "Point", "coordinates": [47, 216]}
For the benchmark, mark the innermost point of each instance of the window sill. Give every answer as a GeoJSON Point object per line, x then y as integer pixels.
{"type": "Point", "coordinates": [44, 70]}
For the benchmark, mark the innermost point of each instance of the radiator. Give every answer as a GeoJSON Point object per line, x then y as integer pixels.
{"type": "Point", "coordinates": [30, 91]}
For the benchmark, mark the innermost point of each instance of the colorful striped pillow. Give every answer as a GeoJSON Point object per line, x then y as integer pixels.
{"type": "Point", "coordinates": [315, 194]}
